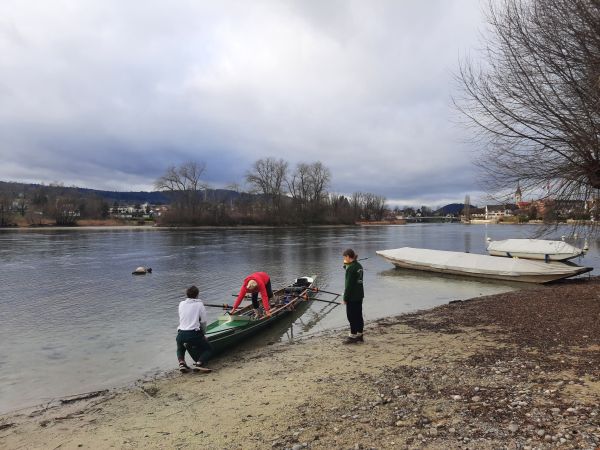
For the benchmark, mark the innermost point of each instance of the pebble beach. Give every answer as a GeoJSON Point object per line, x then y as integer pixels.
{"type": "Point", "coordinates": [512, 370]}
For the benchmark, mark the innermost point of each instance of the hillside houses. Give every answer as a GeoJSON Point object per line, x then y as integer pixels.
{"type": "Point", "coordinates": [540, 209]}
{"type": "Point", "coordinates": [143, 211]}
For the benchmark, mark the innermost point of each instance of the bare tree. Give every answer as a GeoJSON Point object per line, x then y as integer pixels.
{"type": "Point", "coordinates": [374, 206]}
{"type": "Point", "coordinates": [184, 184]}
{"type": "Point", "coordinates": [320, 177]}
{"type": "Point", "coordinates": [368, 206]}
{"type": "Point", "coordinates": [357, 203]}
{"type": "Point", "coordinates": [64, 210]}
{"type": "Point", "coordinates": [308, 187]}
{"type": "Point", "coordinates": [299, 185]}
{"type": "Point", "coordinates": [267, 177]}
{"type": "Point", "coordinates": [20, 204]}
{"type": "Point", "coordinates": [6, 211]}
{"type": "Point", "coordinates": [535, 101]}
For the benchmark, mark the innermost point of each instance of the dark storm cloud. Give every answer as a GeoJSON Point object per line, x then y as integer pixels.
{"type": "Point", "coordinates": [107, 94]}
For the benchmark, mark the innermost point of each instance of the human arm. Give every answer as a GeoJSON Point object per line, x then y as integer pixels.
{"type": "Point", "coordinates": [203, 317]}
{"type": "Point", "coordinates": [240, 297]}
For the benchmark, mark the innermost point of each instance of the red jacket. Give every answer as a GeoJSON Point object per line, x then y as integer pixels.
{"type": "Point", "coordinates": [261, 278]}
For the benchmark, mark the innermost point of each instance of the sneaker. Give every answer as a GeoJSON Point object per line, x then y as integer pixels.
{"type": "Point", "coordinates": [199, 368]}
{"type": "Point", "coordinates": [183, 367]}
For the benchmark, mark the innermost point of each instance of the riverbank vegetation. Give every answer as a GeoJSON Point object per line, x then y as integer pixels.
{"type": "Point", "coordinates": [276, 195]}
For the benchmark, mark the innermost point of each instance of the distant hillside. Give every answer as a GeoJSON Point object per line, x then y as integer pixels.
{"type": "Point", "coordinates": [135, 197]}
{"type": "Point", "coordinates": [452, 208]}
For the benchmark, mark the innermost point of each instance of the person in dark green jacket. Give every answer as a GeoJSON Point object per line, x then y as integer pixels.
{"type": "Point", "coordinates": [353, 296]}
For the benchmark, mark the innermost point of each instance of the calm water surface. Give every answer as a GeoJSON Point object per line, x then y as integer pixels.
{"type": "Point", "coordinates": [74, 319]}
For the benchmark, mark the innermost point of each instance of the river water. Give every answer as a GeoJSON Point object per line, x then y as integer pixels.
{"type": "Point", "coordinates": [74, 319]}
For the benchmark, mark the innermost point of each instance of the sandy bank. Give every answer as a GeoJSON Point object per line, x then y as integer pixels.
{"type": "Point", "coordinates": [515, 369]}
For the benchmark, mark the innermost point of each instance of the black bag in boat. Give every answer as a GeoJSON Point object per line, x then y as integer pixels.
{"type": "Point", "coordinates": [302, 282]}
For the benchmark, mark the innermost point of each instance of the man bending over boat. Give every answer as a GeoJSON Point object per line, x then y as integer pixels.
{"type": "Point", "coordinates": [190, 333]}
{"type": "Point", "coordinates": [255, 283]}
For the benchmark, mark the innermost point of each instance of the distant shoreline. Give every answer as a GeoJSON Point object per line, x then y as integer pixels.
{"type": "Point", "coordinates": [158, 228]}
{"type": "Point", "coordinates": [115, 226]}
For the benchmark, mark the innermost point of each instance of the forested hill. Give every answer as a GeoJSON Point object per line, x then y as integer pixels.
{"type": "Point", "coordinates": [452, 208]}
{"type": "Point", "coordinates": [155, 197]}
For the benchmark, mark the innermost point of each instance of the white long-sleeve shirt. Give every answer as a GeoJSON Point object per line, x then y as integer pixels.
{"type": "Point", "coordinates": [192, 315]}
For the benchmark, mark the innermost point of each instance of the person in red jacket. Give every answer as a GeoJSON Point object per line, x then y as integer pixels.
{"type": "Point", "coordinates": [255, 283]}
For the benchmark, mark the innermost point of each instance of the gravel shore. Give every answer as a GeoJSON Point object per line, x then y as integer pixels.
{"type": "Point", "coordinates": [514, 370]}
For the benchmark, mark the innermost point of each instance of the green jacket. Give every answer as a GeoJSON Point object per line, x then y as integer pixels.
{"type": "Point", "coordinates": [353, 288]}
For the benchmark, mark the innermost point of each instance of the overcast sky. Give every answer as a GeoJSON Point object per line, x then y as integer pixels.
{"type": "Point", "coordinates": [107, 94]}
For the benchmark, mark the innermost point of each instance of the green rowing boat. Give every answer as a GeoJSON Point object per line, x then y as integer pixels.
{"type": "Point", "coordinates": [230, 329]}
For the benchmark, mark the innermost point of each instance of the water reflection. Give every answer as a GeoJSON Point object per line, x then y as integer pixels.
{"type": "Point", "coordinates": [438, 281]}
{"type": "Point", "coordinates": [314, 316]}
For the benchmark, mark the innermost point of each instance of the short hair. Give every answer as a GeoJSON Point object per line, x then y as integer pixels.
{"type": "Point", "coordinates": [349, 253]}
{"type": "Point", "coordinates": [192, 292]}
{"type": "Point", "coordinates": [251, 285]}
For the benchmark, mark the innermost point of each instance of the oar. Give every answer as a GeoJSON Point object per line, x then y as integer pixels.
{"type": "Point", "coordinates": [317, 299]}
{"type": "Point", "coordinates": [325, 301]}
{"type": "Point", "coordinates": [216, 305]}
{"type": "Point", "coordinates": [326, 292]}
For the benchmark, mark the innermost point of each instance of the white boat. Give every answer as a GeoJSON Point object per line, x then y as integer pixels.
{"type": "Point", "coordinates": [482, 266]}
{"type": "Point", "coordinates": [534, 249]}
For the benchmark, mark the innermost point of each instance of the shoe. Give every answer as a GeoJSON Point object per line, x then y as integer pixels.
{"type": "Point", "coordinates": [360, 338]}
{"type": "Point", "coordinates": [350, 340]}
{"type": "Point", "coordinates": [198, 368]}
{"type": "Point", "coordinates": [183, 367]}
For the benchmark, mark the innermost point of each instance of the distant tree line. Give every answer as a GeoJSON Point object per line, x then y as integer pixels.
{"type": "Point", "coordinates": [43, 204]}
{"type": "Point", "coordinates": [276, 195]}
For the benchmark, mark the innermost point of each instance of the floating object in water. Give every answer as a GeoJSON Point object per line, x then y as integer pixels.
{"type": "Point", "coordinates": [142, 270]}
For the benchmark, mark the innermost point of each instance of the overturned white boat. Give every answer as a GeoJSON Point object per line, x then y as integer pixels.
{"type": "Point", "coordinates": [482, 266]}
{"type": "Point", "coordinates": [535, 249]}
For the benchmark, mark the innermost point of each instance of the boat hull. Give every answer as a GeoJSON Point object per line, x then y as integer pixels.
{"type": "Point", "coordinates": [481, 266]}
{"type": "Point", "coordinates": [540, 249]}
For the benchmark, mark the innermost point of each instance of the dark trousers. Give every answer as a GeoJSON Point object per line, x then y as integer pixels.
{"type": "Point", "coordinates": [355, 317]}
{"type": "Point", "coordinates": [255, 303]}
{"type": "Point", "coordinates": [195, 343]}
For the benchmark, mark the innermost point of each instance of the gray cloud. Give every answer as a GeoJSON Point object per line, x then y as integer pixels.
{"type": "Point", "coordinates": [107, 94]}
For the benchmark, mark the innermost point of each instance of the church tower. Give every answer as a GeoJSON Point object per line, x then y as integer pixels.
{"type": "Point", "coordinates": [518, 194]}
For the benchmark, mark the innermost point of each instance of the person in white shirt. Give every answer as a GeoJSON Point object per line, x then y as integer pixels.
{"type": "Point", "coordinates": [190, 333]}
